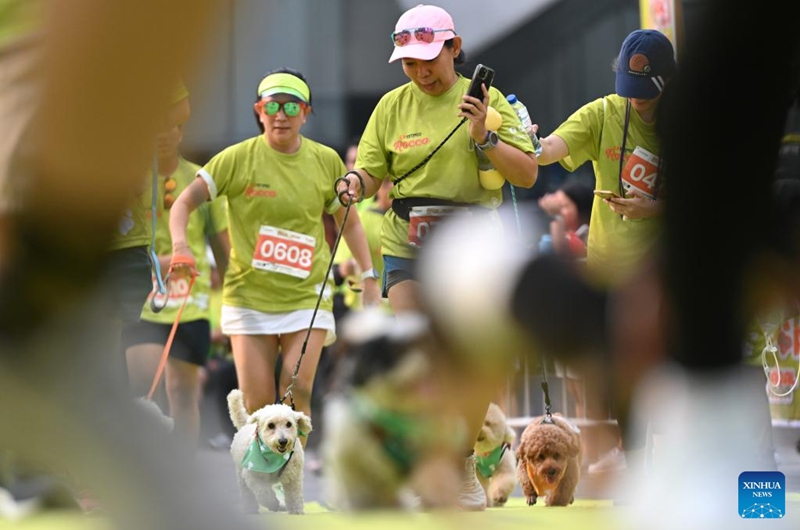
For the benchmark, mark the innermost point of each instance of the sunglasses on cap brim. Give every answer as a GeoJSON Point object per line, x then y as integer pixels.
{"type": "Point", "coordinates": [424, 35]}
{"type": "Point", "coordinates": [290, 108]}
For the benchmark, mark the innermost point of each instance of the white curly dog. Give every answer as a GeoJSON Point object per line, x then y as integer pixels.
{"type": "Point", "coordinates": [496, 462]}
{"type": "Point", "coordinates": [268, 453]}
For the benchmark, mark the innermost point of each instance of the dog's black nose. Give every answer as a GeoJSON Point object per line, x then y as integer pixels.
{"type": "Point", "coordinates": [551, 472]}
{"type": "Point", "coordinates": [282, 442]}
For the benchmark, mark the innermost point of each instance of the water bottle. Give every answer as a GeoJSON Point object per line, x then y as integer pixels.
{"type": "Point", "coordinates": [525, 118]}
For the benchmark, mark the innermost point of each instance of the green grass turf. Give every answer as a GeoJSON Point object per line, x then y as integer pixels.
{"type": "Point", "coordinates": [585, 513]}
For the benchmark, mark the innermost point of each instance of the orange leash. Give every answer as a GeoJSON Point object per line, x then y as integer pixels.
{"type": "Point", "coordinates": [179, 260]}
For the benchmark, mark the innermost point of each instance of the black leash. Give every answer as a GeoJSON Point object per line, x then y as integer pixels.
{"type": "Point", "coordinates": [347, 206]}
{"type": "Point", "coordinates": [430, 155]}
{"type": "Point", "coordinates": [548, 417]}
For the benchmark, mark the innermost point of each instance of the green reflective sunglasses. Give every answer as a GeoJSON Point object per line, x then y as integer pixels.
{"type": "Point", "coordinates": [290, 108]}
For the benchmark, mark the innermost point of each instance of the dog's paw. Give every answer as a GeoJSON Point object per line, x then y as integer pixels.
{"type": "Point", "coordinates": [500, 500]}
{"type": "Point", "coordinates": [531, 500]}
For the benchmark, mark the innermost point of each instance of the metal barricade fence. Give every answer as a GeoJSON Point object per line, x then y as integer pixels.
{"type": "Point", "coordinates": [522, 399]}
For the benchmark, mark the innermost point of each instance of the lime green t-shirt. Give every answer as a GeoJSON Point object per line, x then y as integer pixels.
{"type": "Point", "coordinates": [19, 19]}
{"type": "Point", "coordinates": [594, 132]}
{"type": "Point", "coordinates": [135, 229]}
{"type": "Point", "coordinates": [406, 126]}
{"type": "Point", "coordinates": [279, 255]}
{"type": "Point", "coordinates": [372, 221]}
{"type": "Point", "coordinates": [206, 221]}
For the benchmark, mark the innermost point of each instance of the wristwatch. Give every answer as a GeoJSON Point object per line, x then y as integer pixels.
{"type": "Point", "coordinates": [489, 143]}
{"type": "Point", "coordinates": [370, 273]}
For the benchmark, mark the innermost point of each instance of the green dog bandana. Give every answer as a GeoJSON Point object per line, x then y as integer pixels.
{"type": "Point", "coordinates": [486, 465]}
{"type": "Point", "coordinates": [261, 459]}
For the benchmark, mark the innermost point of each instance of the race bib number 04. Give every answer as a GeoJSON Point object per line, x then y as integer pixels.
{"type": "Point", "coordinates": [640, 173]}
{"type": "Point", "coordinates": [283, 251]}
{"type": "Point", "coordinates": [422, 220]}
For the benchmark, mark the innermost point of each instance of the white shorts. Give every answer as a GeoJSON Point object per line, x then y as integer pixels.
{"type": "Point", "coordinates": [242, 321]}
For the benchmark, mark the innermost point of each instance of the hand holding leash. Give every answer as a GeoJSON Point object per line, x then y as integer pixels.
{"type": "Point", "coordinates": [347, 188]}
{"type": "Point", "coordinates": [179, 265]}
{"type": "Point", "coordinates": [182, 265]}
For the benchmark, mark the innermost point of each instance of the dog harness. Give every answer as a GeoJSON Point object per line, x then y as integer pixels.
{"type": "Point", "coordinates": [261, 459]}
{"type": "Point", "coordinates": [486, 465]}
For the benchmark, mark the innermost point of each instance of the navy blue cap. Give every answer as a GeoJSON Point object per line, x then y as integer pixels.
{"type": "Point", "coordinates": [646, 62]}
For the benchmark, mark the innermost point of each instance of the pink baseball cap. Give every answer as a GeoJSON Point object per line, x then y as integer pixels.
{"type": "Point", "coordinates": [423, 16]}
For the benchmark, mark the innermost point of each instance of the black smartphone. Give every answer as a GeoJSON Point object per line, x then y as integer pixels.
{"type": "Point", "coordinates": [483, 74]}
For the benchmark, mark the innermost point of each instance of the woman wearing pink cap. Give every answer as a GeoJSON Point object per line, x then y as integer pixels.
{"type": "Point", "coordinates": [413, 138]}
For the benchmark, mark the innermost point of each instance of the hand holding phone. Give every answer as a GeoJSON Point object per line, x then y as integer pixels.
{"type": "Point", "coordinates": [606, 194]}
{"type": "Point", "coordinates": [482, 75]}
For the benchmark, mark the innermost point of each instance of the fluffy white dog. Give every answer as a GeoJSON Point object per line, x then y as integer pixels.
{"type": "Point", "coordinates": [497, 464]}
{"type": "Point", "coordinates": [268, 453]}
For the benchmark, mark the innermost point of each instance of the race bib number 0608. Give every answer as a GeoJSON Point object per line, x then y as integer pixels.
{"type": "Point", "coordinates": [283, 251]}
{"type": "Point", "coordinates": [641, 172]}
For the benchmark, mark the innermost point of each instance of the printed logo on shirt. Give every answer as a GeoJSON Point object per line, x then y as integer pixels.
{"type": "Point", "coordinates": [410, 141]}
{"type": "Point", "coordinates": [260, 190]}
{"type": "Point", "coordinates": [127, 223]}
{"type": "Point", "coordinates": [612, 153]}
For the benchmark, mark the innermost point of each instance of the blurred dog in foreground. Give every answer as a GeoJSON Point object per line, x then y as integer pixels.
{"type": "Point", "coordinates": [268, 453]}
{"type": "Point", "coordinates": [385, 440]}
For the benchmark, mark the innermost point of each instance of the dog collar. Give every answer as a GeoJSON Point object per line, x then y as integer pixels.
{"type": "Point", "coordinates": [261, 459]}
{"type": "Point", "coordinates": [486, 465]}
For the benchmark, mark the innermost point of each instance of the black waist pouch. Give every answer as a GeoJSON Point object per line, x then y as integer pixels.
{"type": "Point", "coordinates": [402, 207]}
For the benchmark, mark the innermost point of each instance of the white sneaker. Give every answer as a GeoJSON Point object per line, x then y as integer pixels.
{"type": "Point", "coordinates": [471, 497]}
{"type": "Point", "coordinates": [612, 462]}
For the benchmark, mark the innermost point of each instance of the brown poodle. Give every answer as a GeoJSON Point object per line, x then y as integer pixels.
{"type": "Point", "coordinates": [549, 461]}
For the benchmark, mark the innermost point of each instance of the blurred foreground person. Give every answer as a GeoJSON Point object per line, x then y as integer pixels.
{"type": "Point", "coordinates": [71, 179]}
{"type": "Point", "coordinates": [677, 325]}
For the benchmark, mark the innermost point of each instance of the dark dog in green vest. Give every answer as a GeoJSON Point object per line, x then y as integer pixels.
{"type": "Point", "coordinates": [386, 445]}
